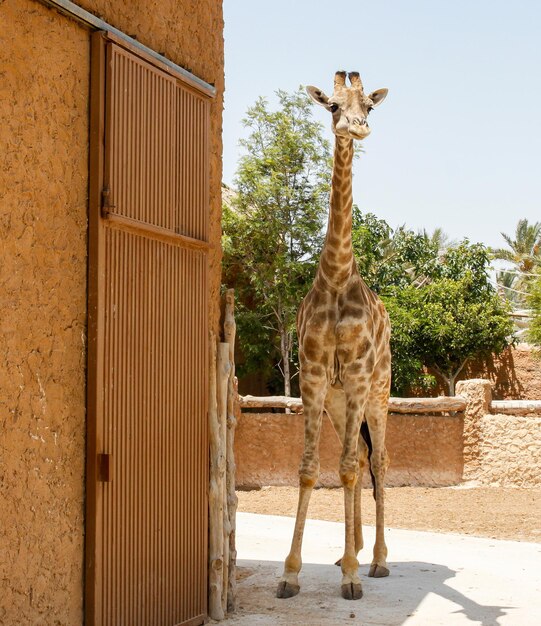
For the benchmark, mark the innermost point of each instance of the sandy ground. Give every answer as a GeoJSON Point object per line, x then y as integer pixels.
{"type": "Point", "coordinates": [495, 512]}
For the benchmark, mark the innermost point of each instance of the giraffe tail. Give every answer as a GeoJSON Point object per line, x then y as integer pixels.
{"type": "Point", "coordinates": [365, 432]}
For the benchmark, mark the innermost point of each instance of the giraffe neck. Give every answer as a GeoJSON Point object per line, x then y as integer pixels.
{"type": "Point", "coordinates": [336, 263]}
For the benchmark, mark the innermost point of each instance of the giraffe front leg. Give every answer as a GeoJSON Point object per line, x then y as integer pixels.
{"type": "Point", "coordinates": [289, 583]}
{"type": "Point", "coordinates": [312, 394]}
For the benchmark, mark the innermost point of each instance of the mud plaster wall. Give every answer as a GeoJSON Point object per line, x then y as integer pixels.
{"type": "Point", "coordinates": [424, 450]}
{"type": "Point", "coordinates": [43, 204]}
{"type": "Point", "coordinates": [44, 66]}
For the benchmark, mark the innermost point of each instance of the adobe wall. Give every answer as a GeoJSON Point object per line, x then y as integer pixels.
{"type": "Point", "coordinates": [44, 124]}
{"type": "Point", "coordinates": [43, 228]}
{"type": "Point", "coordinates": [424, 450]}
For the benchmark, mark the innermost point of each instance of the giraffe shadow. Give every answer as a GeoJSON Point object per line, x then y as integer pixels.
{"type": "Point", "coordinates": [392, 601]}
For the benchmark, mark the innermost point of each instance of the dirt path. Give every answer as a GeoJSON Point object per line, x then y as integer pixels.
{"type": "Point", "coordinates": [496, 512]}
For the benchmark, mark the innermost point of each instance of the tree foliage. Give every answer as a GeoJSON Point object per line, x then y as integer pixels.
{"type": "Point", "coordinates": [534, 302]}
{"type": "Point", "coordinates": [273, 227]}
{"type": "Point", "coordinates": [450, 324]}
{"type": "Point", "coordinates": [443, 308]}
{"type": "Point", "coordinates": [524, 250]}
{"type": "Point", "coordinates": [523, 253]}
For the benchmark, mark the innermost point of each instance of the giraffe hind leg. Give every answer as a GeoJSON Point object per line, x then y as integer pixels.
{"type": "Point", "coordinates": [376, 418]}
{"type": "Point", "coordinates": [335, 407]}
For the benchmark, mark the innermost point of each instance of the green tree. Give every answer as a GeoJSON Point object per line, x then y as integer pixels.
{"type": "Point", "coordinates": [458, 326]}
{"type": "Point", "coordinates": [273, 226]}
{"type": "Point", "coordinates": [439, 238]}
{"type": "Point", "coordinates": [455, 316]}
{"type": "Point", "coordinates": [387, 259]}
{"type": "Point", "coordinates": [534, 302]}
{"type": "Point", "coordinates": [524, 255]}
{"type": "Point", "coordinates": [524, 250]}
{"type": "Point", "coordinates": [408, 371]}
{"type": "Point", "coordinates": [443, 308]}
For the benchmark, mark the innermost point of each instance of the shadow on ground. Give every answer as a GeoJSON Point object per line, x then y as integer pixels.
{"type": "Point", "coordinates": [388, 601]}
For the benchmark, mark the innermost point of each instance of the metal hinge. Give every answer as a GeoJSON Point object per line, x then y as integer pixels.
{"type": "Point", "coordinates": [106, 206]}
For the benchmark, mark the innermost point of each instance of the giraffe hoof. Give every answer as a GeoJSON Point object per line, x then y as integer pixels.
{"type": "Point", "coordinates": [352, 591]}
{"type": "Point", "coordinates": [378, 571]}
{"type": "Point", "coordinates": [287, 590]}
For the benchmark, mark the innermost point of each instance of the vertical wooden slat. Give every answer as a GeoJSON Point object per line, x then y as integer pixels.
{"type": "Point", "coordinates": [149, 373]}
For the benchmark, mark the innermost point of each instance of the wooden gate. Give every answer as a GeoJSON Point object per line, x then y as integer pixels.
{"type": "Point", "coordinates": [147, 447]}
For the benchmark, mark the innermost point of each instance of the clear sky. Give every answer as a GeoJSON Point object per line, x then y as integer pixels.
{"type": "Point", "coordinates": [457, 142]}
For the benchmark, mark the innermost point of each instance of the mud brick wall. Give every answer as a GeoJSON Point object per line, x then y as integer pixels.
{"type": "Point", "coordinates": [44, 96]}
{"type": "Point", "coordinates": [424, 450]}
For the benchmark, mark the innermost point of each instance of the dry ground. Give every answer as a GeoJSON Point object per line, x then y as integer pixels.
{"type": "Point", "coordinates": [496, 512]}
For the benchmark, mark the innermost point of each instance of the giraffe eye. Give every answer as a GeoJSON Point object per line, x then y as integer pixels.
{"type": "Point", "coordinates": [370, 108]}
{"type": "Point", "coordinates": [333, 107]}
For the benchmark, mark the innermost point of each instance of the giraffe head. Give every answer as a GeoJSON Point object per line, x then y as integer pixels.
{"type": "Point", "coordinates": [349, 105]}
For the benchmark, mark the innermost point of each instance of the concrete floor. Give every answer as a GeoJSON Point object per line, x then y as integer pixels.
{"type": "Point", "coordinates": [436, 579]}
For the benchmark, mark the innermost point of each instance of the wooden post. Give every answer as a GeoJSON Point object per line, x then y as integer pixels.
{"type": "Point", "coordinates": [216, 501]}
{"type": "Point", "coordinates": [223, 368]}
{"type": "Point", "coordinates": [396, 405]}
{"type": "Point", "coordinates": [230, 329]}
{"type": "Point", "coordinates": [222, 496]}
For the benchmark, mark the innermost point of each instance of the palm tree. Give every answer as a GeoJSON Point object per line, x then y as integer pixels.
{"type": "Point", "coordinates": [508, 282]}
{"type": "Point", "coordinates": [524, 253]}
{"type": "Point", "coordinates": [439, 238]}
{"type": "Point", "coordinates": [525, 249]}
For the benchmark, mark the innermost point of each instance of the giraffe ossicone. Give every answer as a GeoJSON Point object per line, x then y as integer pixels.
{"type": "Point", "coordinates": [344, 355]}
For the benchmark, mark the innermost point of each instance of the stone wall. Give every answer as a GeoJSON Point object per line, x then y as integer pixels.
{"type": "Point", "coordinates": [510, 451]}
{"type": "Point", "coordinates": [44, 90]}
{"type": "Point", "coordinates": [500, 450]}
{"type": "Point", "coordinates": [424, 450]}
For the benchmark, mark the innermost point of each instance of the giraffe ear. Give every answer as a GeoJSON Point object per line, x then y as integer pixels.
{"type": "Point", "coordinates": [317, 95]}
{"type": "Point", "coordinates": [378, 96]}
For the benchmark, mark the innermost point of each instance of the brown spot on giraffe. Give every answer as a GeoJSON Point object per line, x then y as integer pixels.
{"type": "Point", "coordinates": [344, 354]}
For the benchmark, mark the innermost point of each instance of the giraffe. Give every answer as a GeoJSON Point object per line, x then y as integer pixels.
{"type": "Point", "coordinates": [344, 354]}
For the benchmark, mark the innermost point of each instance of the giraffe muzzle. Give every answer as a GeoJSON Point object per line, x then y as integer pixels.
{"type": "Point", "coordinates": [359, 128]}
